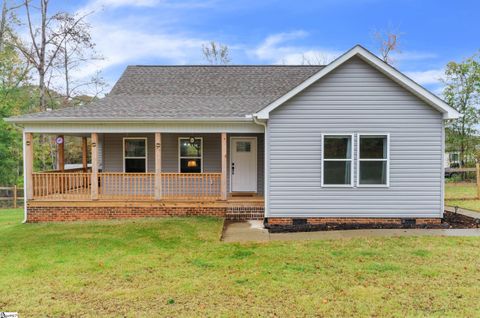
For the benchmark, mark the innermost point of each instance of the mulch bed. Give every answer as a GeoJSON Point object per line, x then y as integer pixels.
{"type": "Point", "coordinates": [460, 221]}
{"type": "Point", "coordinates": [450, 220]}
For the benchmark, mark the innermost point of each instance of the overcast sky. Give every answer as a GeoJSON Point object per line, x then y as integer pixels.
{"type": "Point", "coordinates": [127, 32]}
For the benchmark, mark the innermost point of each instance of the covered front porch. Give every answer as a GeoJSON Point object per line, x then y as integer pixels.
{"type": "Point", "coordinates": [153, 167]}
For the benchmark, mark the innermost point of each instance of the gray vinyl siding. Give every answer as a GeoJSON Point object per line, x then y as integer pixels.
{"type": "Point", "coordinates": [113, 156]}
{"type": "Point", "coordinates": [355, 98]}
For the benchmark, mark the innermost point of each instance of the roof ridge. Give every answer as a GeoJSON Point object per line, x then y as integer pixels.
{"type": "Point", "coordinates": [231, 65]}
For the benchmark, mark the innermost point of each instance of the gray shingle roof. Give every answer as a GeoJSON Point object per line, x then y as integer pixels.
{"type": "Point", "coordinates": [188, 92]}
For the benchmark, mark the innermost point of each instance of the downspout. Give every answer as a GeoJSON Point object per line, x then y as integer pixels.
{"type": "Point", "coordinates": [265, 164]}
{"type": "Point", "coordinates": [24, 181]}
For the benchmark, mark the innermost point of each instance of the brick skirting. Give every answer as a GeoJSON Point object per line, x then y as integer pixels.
{"type": "Point", "coordinates": [328, 223]}
{"type": "Point", "coordinates": [62, 213]}
{"type": "Point", "coordinates": [319, 221]}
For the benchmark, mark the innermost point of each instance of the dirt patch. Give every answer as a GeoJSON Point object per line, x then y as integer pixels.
{"type": "Point", "coordinates": [450, 220]}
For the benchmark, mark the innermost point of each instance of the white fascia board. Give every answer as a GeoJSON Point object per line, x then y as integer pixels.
{"type": "Point", "coordinates": [397, 76]}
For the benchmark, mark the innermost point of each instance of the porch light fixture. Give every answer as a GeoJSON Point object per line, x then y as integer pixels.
{"type": "Point", "coordinates": [192, 163]}
{"type": "Point", "coordinates": [191, 140]}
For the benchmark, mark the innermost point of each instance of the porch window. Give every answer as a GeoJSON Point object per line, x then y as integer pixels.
{"type": "Point", "coordinates": [337, 160]}
{"type": "Point", "coordinates": [373, 160]}
{"type": "Point", "coordinates": [135, 155]}
{"type": "Point", "coordinates": [190, 154]}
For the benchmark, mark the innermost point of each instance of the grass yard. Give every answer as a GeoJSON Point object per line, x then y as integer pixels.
{"type": "Point", "coordinates": [177, 267]}
{"type": "Point", "coordinates": [462, 194]}
{"type": "Point", "coordinates": [460, 190]}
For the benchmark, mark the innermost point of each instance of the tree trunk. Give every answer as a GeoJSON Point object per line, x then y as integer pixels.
{"type": "Point", "coordinates": [3, 24]}
{"type": "Point", "coordinates": [41, 64]}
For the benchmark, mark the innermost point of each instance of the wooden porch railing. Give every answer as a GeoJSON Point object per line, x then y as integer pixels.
{"type": "Point", "coordinates": [61, 186]}
{"type": "Point", "coordinates": [204, 186]}
{"type": "Point", "coordinates": [126, 186]}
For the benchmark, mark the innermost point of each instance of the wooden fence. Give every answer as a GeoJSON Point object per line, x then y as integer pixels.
{"type": "Point", "coordinates": [11, 194]}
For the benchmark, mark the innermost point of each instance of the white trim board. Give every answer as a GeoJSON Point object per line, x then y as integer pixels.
{"type": "Point", "coordinates": [428, 97]}
{"type": "Point", "coordinates": [183, 128]}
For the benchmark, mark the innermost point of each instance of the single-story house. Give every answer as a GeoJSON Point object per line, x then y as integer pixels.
{"type": "Point", "coordinates": [352, 141]}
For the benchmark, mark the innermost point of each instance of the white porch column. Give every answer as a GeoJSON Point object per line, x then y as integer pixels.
{"type": "Point", "coordinates": [158, 166]}
{"type": "Point", "coordinates": [94, 183]}
{"type": "Point", "coordinates": [223, 182]}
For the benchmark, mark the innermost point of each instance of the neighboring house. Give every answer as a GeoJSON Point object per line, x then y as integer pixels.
{"type": "Point", "coordinates": [452, 159]}
{"type": "Point", "coordinates": [352, 141]}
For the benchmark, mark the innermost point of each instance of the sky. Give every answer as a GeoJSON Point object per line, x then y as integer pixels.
{"type": "Point", "coordinates": [432, 32]}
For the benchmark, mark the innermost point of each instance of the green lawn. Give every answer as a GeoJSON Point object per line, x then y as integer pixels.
{"type": "Point", "coordinates": [177, 267]}
{"type": "Point", "coordinates": [462, 194]}
{"type": "Point", "coordinates": [460, 190]}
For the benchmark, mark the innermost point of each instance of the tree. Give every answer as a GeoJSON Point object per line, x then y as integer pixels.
{"type": "Point", "coordinates": [8, 18]}
{"type": "Point", "coordinates": [46, 41]}
{"type": "Point", "coordinates": [15, 98]}
{"type": "Point", "coordinates": [315, 58]}
{"type": "Point", "coordinates": [388, 42]}
{"type": "Point", "coordinates": [462, 92]}
{"type": "Point", "coordinates": [216, 53]}
{"type": "Point", "coordinates": [77, 50]}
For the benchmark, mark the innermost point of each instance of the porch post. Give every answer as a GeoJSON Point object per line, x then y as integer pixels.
{"type": "Point", "coordinates": [84, 154]}
{"type": "Point", "coordinates": [28, 162]}
{"type": "Point", "coordinates": [61, 155]}
{"type": "Point", "coordinates": [158, 166]}
{"type": "Point", "coordinates": [223, 183]}
{"type": "Point", "coordinates": [94, 185]}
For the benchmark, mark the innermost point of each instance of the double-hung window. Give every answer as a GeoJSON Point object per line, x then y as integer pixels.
{"type": "Point", "coordinates": [337, 168]}
{"type": "Point", "coordinates": [190, 154]}
{"type": "Point", "coordinates": [135, 154]}
{"type": "Point", "coordinates": [373, 160]}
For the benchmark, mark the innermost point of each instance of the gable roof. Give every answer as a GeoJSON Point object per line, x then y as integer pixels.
{"type": "Point", "coordinates": [213, 93]}
{"type": "Point", "coordinates": [359, 51]}
{"type": "Point", "coordinates": [159, 93]}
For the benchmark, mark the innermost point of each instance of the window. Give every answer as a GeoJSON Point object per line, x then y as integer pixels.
{"type": "Point", "coordinates": [135, 154]}
{"type": "Point", "coordinates": [190, 155]}
{"type": "Point", "coordinates": [244, 146]}
{"type": "Point", "coordinates": [337, 160]}
{"type": "Point", "coordinates": [373, 160]}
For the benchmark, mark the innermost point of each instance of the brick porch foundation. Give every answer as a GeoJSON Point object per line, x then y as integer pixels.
{"type": "Point", "coordinates": [82, 212]}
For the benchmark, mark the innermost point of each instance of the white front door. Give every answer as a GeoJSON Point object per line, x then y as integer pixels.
{"type": "Point", "coordinates": [243, 164]}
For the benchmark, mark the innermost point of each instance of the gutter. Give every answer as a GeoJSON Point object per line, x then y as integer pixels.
{"type": "Point", "coordinates": [124, 120]}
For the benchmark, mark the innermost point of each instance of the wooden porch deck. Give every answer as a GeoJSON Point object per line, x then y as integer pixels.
{"type": "Point", "coordinates": [232, 201]}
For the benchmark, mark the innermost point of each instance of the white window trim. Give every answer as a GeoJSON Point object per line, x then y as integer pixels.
{"type": "Point", "coordinates": [387, 185]}
{"type": "Point", "coordinates": [351, 185]}
{"type": "Point", "coordinates": [180, 157]}
{"type": "Point", "coordinates": [146, 152]}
